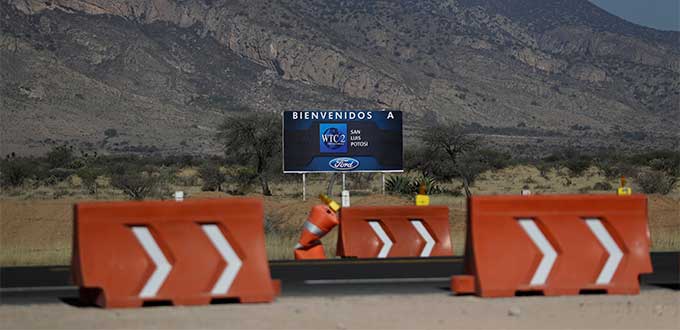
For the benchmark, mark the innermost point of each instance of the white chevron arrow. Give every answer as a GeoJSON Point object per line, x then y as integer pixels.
{"type": "Point", "coordinates": [427, 249]}
{"type": "Point", "coordinates": [386, 241]}
{"type": "Point", "coordinates": [549, 254]}
{"type": "Point", "coordinates": [615, 254]}
{"type": "Point", "coordinates": [234, 263]}
{"type": "Point", "coordinates": [163, 267]}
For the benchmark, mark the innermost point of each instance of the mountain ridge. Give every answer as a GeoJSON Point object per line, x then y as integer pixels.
{"type": "Point", "coordinates": [541, 65]}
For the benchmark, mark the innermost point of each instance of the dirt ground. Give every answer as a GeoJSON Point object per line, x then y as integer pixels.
{"type": "Point", "coordinates": [38, 232]}
{"type": "Point", "coordinates": [652, 309]}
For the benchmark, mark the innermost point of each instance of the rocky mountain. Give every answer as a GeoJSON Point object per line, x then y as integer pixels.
{"type": "Point", "coordinates": [160, 75]}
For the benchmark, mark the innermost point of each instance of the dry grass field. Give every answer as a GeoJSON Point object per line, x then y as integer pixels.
{"type": "Point", "coordinates": [36, 225]}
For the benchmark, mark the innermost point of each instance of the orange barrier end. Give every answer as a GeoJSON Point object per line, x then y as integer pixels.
{"type": "Point", "coordinates": [557, 244]}
{"type": "Point", "coordinates": [276, 286]}
{"type": "Point", "coordinates": [126, 254]}
{"type": "Point", "coordinates": [313, 252]}
{"type": "Point", "coordinates": [463, 284]}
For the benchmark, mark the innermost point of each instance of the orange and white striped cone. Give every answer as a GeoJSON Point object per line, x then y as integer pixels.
{"type": "Point", "coordinates": [321, 220]}
{"type": "Point", "coordinates": [312, 252]}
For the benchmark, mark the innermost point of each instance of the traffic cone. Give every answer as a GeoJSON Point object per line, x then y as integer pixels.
{"type": "Point", "coordinates": [321, 220]}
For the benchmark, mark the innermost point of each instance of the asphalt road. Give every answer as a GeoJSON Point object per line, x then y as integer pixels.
{"type": "Point", "coordinates": [334, 277]}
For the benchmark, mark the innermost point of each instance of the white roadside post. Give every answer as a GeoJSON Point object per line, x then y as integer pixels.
{"type": "Point", "coordinates": [345, 198]}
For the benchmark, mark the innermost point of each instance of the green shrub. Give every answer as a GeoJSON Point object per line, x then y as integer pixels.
{"type": "Point", "coordinates": [89, 176]}
{"type": "Point", "coordinates": [140, 182]}
{"type": "Point", "coordinates": [13, 172]}
{"type": "Point", "coordinates": [577, 166]}
{"type": "Point", "coordinates": [655, 182]}
{"type": "Point", "coordinates": [243, 178]}
{"type": "Point", "coordinates": [602, 186]}
{"type": "Point", "coordinates": [398, 184]}
{"type": "Point", "coordinates": [360, 180]}
{"type": "Point", "coordinates": [60, 157]}
{"type": "Point", "coordinates": [212, 177]}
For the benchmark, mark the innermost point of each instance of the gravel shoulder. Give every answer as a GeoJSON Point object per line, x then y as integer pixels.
{"type": "Point", "coordinates": [652, 309]}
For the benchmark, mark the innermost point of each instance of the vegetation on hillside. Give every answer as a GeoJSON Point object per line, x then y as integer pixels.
{"type": "Point", "coordinates": [252, 155]}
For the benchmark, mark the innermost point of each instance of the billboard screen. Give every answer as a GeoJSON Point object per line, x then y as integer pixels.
{"type": "Point", "coordinates": [342, 141]}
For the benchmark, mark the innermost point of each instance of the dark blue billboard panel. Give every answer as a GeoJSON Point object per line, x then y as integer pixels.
{"type": "Point", "coordinates": [342, 141]}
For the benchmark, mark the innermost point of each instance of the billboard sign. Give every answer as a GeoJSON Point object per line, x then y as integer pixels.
{"type": "Point", "coordinates": [342, 141]}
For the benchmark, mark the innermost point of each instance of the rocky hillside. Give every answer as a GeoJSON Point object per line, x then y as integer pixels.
{"type": "Point", "coordinates": [147, 75]}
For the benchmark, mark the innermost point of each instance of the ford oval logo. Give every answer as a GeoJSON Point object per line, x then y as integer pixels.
{"type": "Point", "coordinates": [343, 163]}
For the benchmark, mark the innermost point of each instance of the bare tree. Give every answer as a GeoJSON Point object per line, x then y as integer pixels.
{"type": "Point", "coordinates": [253, 140]}
{"type": "Point", "coordinates": [451, 153]}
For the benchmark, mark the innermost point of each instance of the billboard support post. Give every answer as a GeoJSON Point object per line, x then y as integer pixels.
{"type": "Point", "coordinates": [383, 183]}
{"type": "Point", "coordinates": [304, 187]}
{"type": "Point", "coordinates": [343, 181]}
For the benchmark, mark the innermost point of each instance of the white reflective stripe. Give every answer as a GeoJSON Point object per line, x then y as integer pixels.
{"type": "Point", "coordinates": [549, 253]}
{"type": "Point", "coordinates": [615, 253]}
{"type": "Point", "coordinates": [163, 267]}
{"type": "Point", "coordinates": [311, 244]}
{"type": "Point", "coordinates": [427, 249]}
{"type": "Point", "coordinates": [234, 263]}
{"type": "Point", "coordinates": [314, 229]}
{"type": "Point", "coordinates": [386, 241]}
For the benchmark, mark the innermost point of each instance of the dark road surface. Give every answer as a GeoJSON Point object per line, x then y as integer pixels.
{"type": "Point", "coordinates": [30, 285]}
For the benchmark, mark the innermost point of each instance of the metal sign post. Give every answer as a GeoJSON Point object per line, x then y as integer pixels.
{"type": "Point", "coordinates": [304, 187]}
{"type": "Point", "coordinates": [383, 183]}
{"type": "Point", "coordinates": [343, 181]}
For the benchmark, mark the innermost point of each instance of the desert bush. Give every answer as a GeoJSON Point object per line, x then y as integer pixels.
{"type": "Point", "coordinates": [360, 180]}
{"type": "Point", "coordinates": [187, 180]}
{"type": "Point", "coordinates": [669, 164]}
{"type": "Point", "coordinates": [665, 159]}
{"type": "Point", "coordinates": [54, 175]}
{"type": "Point", "coordinates": [140, 182]}
{"type": "Point", "coordinates": [243, 178]}
{"type": "Point", "coordinates": [655, 182]}
{"type": "Point", "coordinates": [13, 172]}
{"type": "Point", "coordinates": [110, 133]}
{"type": "Point", "coordinates": [616, 169]}
{"type": "Point", "coordinates": [212, 177]}
{"type": "Point", "coordinates": [136, 186]}
{"type": "Point", "coordinates": [493, 159]}
{"type": "Point", "coordinates": [60, 157]}
{"type": "Point", "coordinates": [572, 159]}
{"type": "Point", "coordinates": [602, 186]}
{"type": "Point", "coordinates": [577, 166]}
{"type": "Point", "coordinates": [414, 157]}
{"type": "Point", "coordinates": [89, 176]}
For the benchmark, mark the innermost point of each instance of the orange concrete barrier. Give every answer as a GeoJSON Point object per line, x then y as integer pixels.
{"type": "Point", "coordinates": [127, 254]}
{"type": "Point", "coordinates": [394, 231]}
{"type": "Point", "coordinates": [555, 245]}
